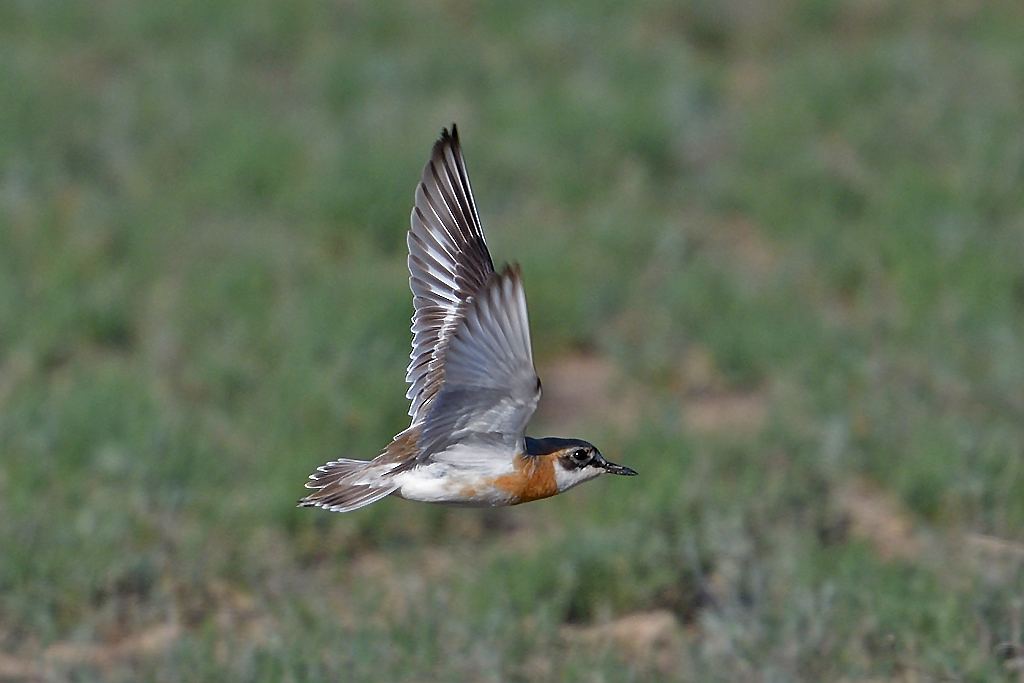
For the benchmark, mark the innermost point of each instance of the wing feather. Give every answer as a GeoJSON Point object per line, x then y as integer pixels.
{"type": "Point", "coordinates": [448, 264]}
{"type": "Point", "coordinates": [490, 388]}
{"type": "Point", "coordinates": [471, 371]}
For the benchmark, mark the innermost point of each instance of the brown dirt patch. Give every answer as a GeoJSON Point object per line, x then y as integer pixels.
{"type": "Point", "coordinates": [710, 406]}
{"type": "Point", "coordinates": [876, 516]}
{"type": "Point", "coordinates": [644, 639]}
{"type": "Point", "coordinates": [587, 389]}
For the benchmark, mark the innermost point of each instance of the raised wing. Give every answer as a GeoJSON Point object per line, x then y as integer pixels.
{"type": "Point", "coordinates": [490, 388]}
{"type": "Point", "coordinates": [448, 264]}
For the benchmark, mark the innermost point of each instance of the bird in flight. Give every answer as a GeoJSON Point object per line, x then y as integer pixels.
{"type": "Point", "coordinates": [473, 386]}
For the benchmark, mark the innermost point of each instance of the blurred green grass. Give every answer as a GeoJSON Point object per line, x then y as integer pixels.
{"type": "Point", "coordinates": [791, 235]}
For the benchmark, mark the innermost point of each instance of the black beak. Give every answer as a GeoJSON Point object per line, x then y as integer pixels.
{"type": "Point", "coordinates": [612, 468]}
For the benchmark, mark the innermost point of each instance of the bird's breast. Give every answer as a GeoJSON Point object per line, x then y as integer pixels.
{"type": "Point", "coordinates": [532, 478]}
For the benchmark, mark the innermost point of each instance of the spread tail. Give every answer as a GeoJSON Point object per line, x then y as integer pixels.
{"type": "Point", "coordinates": [344, 485]}
{"type": "Point", "coordinates": [341, 488]}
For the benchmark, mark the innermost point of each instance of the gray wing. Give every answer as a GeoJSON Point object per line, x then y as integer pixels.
{"type": "Point", "coordinates": [471, 375]}
{"type": "Point", "coordinates": [490, 388]}
{"type": "Point", "coordinates": [448, 264]}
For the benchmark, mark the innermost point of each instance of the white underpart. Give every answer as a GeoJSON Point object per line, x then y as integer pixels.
{"type": "Point", "coordinates": [458, 475]}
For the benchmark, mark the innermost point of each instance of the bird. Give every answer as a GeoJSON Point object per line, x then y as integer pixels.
{"type": "Point", "coordinates": [472, 383]}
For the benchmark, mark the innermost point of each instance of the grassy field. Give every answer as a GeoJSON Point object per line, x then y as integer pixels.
{"type": "Point", "coordinates": [774, 254]}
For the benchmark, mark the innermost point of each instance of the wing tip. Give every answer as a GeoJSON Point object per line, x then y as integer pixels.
{"type": "Point", "coordinates": [447, 139]}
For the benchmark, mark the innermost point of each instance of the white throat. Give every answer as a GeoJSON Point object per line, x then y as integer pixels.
{"type": "Point", "coordinates": [566, 479]}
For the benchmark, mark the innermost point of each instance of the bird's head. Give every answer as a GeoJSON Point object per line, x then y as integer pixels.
{"type": "Point", "coordinates": [575, 461]}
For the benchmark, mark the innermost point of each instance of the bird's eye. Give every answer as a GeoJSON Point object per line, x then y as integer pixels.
{"type": "Point", "coordinates": [580, 456]}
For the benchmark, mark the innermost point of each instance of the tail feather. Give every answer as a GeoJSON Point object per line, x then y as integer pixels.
{"type": "Point", "coordinates": [339, 488]}
{"type": "Point", "coordinates": [344, 485]}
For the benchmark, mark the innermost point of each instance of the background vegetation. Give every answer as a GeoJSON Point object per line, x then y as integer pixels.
{"type": "Point", "coordinates": [775, 261]}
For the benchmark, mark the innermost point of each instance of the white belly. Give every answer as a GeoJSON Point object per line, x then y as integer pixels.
{"type": "Point", "coordinates": [440, 482]}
